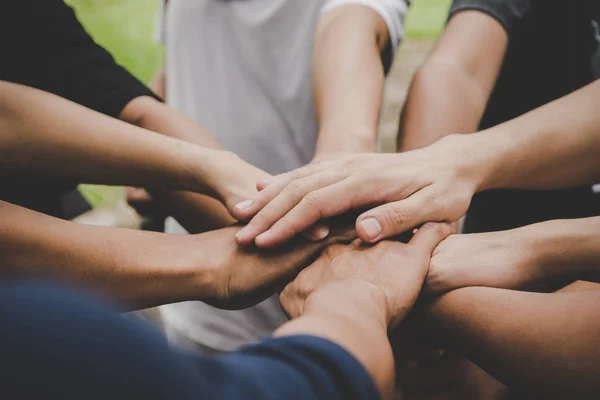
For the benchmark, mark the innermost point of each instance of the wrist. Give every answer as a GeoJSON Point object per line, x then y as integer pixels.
{"type": "Point", "coordinates": [336, 139]}
{"type": "Point", "coordinates": [468, 161]}
{"type": "Point", "coordinates": [351, 299]}
{"type": "Point", "coordinates": [176, 267]}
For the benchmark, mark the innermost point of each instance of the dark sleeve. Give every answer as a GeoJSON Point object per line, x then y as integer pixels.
{"type": "Point", "coordinates": [295, 367]}
{"type": "Point", "coordinates": [509, 13]}
{"type": "Point", "coordinates": [46, 47]}
{"type": "Point", "coordinates": [57, 343]}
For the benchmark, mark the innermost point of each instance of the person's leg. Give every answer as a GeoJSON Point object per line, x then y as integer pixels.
{"type": "Point", "coordinates": [542, 64]}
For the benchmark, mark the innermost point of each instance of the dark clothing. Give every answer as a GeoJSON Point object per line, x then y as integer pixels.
{"type": "Point", "coordinates": [550, 50]}
{"type": "Point", "coordinates": [56, 344]}
{"type": "Point", "coordinates": [44, 46]}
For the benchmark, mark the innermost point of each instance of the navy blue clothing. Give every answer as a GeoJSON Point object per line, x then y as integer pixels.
{"type": "Point", "coordinates": [57, 344]}
{"type": "Point", "coordinates": [550, 51]}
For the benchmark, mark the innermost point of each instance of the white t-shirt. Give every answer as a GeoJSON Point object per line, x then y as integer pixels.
{"type": "Point", "coordinates": [241, 69]}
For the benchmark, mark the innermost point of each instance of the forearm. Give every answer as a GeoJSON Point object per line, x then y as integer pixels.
{"type": "Point", "coordinates": [356, 323]}
{"type": "Point", "coordinates": [542, 344]}
{"type": "Point", "coordinates": [45, 134]}
{"type": "Point", "coordinates": [196, 213]}
{"type": "Point", "coordinates": [449, 93]}
{"type": "Point", "coordinates": [348, 79]}
{"type": "Point", "coordinates": [568, 248]}
{"type": "Point", "coordinates": [554, 146]}
{"type": "Point", "coordinates": [136, 268]}
{"type": "Point", "coordinates": [443, 99]}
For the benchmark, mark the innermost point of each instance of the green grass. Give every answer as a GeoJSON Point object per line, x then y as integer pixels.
{"type": "Point", "coordinates": [126, 29]}
{"type": "Point", "coordinates": [426, 18]}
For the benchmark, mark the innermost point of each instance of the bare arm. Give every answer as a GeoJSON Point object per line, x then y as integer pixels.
{"type": "Point", "coordinates": [451, 89]}
{"type": "Point", "coordinates": [537, 256]}
{"type": "Point", "coordinates": [541, 344]}
{"type": "Point", "coordinates": [44, 134]}
{"type": "Point", "coordinates": [348, 79]}
{"type": "Point", "coordinates": [554, 146]}
{"type": "Point", "coordinates": [197, 213]}
{"type": "Point", "coordinates": [144, 269]}
{"type": "Point", "coordinates": [353, 294]}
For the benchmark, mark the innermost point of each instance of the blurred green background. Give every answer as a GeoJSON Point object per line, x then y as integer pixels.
{"type": "Point", "coordinates": [127, 29]}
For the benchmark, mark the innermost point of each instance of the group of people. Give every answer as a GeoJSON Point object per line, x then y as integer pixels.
{"type": "Point", "coordinates": [314, 266]}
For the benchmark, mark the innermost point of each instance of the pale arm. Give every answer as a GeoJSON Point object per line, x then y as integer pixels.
{"type": "Point", "coordinates": [450, 91]}
{"type": "Point", "coordinates": [554, 146]}
{"type": "Point", "coordinates": [348, 78]}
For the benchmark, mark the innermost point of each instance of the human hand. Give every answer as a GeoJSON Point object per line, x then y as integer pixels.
{"type": "Point", "coordinates": [504, 259]}
{"type": "Point", "coordinates": [431, 184]}
{"type": "Point", "coordinates": [232, 180]}
{"type": "Point", "coordinates": [243, 276]}
{"type": "Point", "coordinates": [394, 270]}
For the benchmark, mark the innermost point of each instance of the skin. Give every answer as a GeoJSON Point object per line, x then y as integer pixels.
{"type": "Point", "coordinates": [453, 71]}
{"type": "Point", "coordinates": [44, 135]}
{"type": "Point", "coordinates": [143, 269]}
{"type": "Point", "coordinates": [554, 146]}
{"type": "Point", "coordinates": [353, 294]}
{"type": "Point", "coordinates": [348, 80]}
{"type": "Point", "coordinates": [539, 344]}
{"type": "Point", "coordinates": [524, 258]}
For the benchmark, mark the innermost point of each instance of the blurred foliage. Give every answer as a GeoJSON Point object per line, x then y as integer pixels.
{"type": "Point", "coordinates": [426, 18]}
{"type": "Point", "coordinates": [125, 28]}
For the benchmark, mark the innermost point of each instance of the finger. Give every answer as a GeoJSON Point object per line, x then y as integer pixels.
{"type": "Point", "coordinates": [429, 236]}
{"type": "Point", "coordinates": [316, 233]}
{"type": "Point", "coordinates": [286, 200]}
{"type": "Point", "coordinates": [391, 219]}
{"type": "Point", "coordinates": [320, 204]}
{"type": "Point", "coordinates": [248, 208]}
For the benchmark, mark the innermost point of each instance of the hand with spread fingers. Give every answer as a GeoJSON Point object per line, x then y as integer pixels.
{"type": "Point", "coordinates": [391, 271]}
{"type": "Point", "coordinates": [401, 190]}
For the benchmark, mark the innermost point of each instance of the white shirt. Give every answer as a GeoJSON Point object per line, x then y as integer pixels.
{"type": "Point", "coordinates": [241, 69]}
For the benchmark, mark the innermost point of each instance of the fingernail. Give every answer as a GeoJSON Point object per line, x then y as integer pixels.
{"type": "Point", "coordinates": [262, 238]}
{"type": "Point", "coordinates": [372, 227]}
{"type": "Point", "coordinates": [319, 233]}
{"type": "Point", "coordinates": [243, 235]}
{"type": "Point", "coordinates": [244, 205]}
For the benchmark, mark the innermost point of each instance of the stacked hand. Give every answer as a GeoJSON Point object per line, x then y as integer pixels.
{"type": "Point", "coordinates": [401, 190]}
{"type": "Point", "coordinates": [390, 270]}
{"type": "Point", "coordinates": [504, 259]}
{"type": "Point", "coordinates": [242, 277]}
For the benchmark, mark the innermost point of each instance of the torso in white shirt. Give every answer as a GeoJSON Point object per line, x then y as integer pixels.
{"type": "Point", "coordinates": [241, 69]}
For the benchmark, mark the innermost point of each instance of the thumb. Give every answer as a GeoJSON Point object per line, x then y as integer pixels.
{"type": "Point", "coordinates": [429, 236]}
{"type": "Point", "coordinates": [391, 219]}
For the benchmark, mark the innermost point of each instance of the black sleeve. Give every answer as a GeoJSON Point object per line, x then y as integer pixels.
{"type": "Point", "coordinates": [45, 46]}
{"type": "Point", "coordinates": [509, 13]}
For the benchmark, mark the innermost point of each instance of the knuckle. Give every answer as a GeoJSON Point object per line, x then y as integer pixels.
{"type": "Point", "coordinates": [396, 216]}
{"type": "Point", "coordinates": [311, 200]}
{"type": "Point", "coordinates": [294, 189]}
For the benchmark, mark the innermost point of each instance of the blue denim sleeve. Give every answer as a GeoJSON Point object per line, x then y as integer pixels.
{"type": "Point", "coordinates": [509, 13]}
